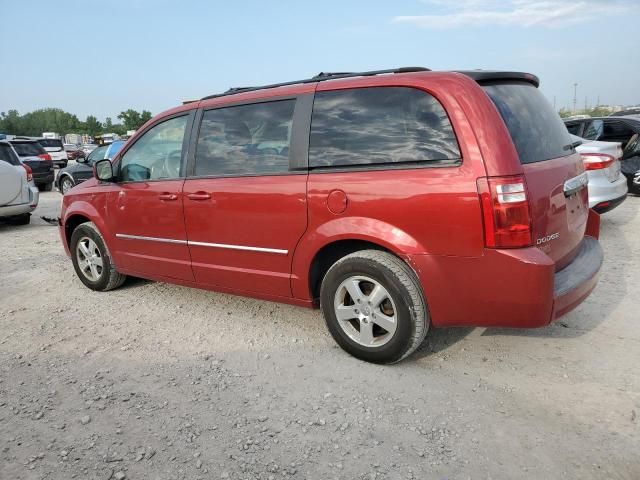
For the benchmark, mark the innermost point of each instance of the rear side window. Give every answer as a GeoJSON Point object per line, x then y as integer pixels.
{"type": "Point", "coordinates": [7, 155]}
{"type": "Point", "coordinates": [593, 130]}
{"type": "Point", "coordinates": [245, 139]}
{"type": "Point", "coordinates": [28, 149]}
{"type": "Point", "coordinates": [537, 131]}
{"type": "Point", "coordinates": [380, 125]}
{"type": "Point", "coordinates": [574, 128]}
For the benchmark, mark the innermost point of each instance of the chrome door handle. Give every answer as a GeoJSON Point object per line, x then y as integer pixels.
{"type": "Point", "coordinates": [199, 196]}
{"type": "Point", "coordinates": [168, 196]}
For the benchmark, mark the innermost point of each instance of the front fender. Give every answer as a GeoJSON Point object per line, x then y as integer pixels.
{"type": "Point", "coordinates": [366, 229]}
{"type": "Point", "coordinates": [95, 213]}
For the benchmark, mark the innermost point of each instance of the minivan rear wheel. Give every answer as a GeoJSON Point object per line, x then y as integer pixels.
{"type": "Point", "coordinates": [373, 305]}
{"type": "Point", "coordinates": [91, 259]}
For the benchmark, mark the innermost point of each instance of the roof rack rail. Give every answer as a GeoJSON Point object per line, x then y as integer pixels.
{"type": "Point", "coordinates": [321, 77]}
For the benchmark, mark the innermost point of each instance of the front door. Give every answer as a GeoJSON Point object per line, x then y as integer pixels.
{"type": "Point", "coordinates": [145, 210]}
{"type": "Point", "coordinates": [245, 209]}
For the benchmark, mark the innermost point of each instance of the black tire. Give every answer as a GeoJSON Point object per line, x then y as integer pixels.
{"type": "Point", "coordinates": [403, 287]}
{"type": "Point", "coordinates": [109, 277]}
{"type": "Point", "coordinates": [23, 219]}
{"type": "Point", "coordinates": [46, 187]}
{"type": "Point", "coordinates": [65, 184]}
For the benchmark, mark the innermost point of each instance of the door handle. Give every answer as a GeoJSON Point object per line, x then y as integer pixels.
{"type": "Point", "coordinates": [199, 196]}
{"type": "Point", "coordinates": [168, 196]}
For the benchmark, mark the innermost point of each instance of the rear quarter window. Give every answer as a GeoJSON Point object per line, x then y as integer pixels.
{"type": "Point", "coordinates": [537, 131]}
{"type": "Point", "coordinates": [7, 155]}
{"type": "Point", "coordinates": [380, 125]}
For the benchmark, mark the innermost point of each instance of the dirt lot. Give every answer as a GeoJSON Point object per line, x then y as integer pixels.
{"type": "Point", "coordinates": [160, 381]}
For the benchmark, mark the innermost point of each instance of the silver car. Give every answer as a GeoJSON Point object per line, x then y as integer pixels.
{"type": "Point", "coordinates": [607, 186]}
{"type": "Point", "coordinates": [18, 194]}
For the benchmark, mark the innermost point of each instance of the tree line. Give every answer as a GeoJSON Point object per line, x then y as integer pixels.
{"type": "Point", "coordinates": [33, 124]}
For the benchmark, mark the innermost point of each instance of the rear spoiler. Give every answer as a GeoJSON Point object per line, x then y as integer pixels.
{"type": "Point", "coordinates": [482, 76]}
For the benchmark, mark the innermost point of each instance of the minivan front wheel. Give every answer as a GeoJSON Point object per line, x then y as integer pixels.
{"type": "Point", "coordinates": [92, 260]}
{"type": "Point", "coordinates": [373, 305]}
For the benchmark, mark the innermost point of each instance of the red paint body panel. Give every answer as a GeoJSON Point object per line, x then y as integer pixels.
{"type": "Point", "coordinates": [430, 217]}
{"type": "Point", "coordinates": [268, 212]}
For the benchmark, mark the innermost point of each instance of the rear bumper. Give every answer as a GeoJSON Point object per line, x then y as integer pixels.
{"type": "Point", "coordinates": [575, 282]}
{"type": "Point", "coordinates": [42, 178]}
{"type": "Point", "coordinates": [602, 190]}
{"type": "Point", "coordinates": [13, 210]}
{"type": "Point", "coordinates": [516, 288]}
{"type": "Point", "coordinates": [608, 205]}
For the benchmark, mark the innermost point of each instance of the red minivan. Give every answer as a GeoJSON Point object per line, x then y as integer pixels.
{"type": "Point", "coordinates": [393, 199]}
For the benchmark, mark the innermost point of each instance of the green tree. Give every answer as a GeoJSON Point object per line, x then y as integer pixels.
{"type": "Point", "coordinates": [132, 119]}
{"type": "Point", "coordinates": [10, 122]}
{"type": "Point", "coordinates": [92, 126]}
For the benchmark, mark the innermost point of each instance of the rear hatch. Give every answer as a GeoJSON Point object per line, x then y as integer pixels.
{"type": "Point", "coordinates": [29, 152]}
{"type": "Point", "coordinates": [553, 170]}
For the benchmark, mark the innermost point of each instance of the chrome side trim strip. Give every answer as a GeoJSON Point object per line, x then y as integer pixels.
{"type": "Point", "coordinates": [151, 239]}
{"type": "Point", "coordinates": [204, 244]}
{"type": "Point", "coordinates": [240, 247]}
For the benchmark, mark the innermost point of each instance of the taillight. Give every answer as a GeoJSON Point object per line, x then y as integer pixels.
{"type": "Point", "coordinates": [29, 172]}
{"type": "Point", "coordinates": [44, 156]}
{"type": "Point", "coordinates": [505, 210]}
{"type": "Point", "coordinates": [596, 161]}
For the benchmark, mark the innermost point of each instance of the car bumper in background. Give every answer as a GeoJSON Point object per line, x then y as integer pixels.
{"type": "Point", "coordinates": [42, 178]}
{"type": "Point", "coordinates": [601, 190]}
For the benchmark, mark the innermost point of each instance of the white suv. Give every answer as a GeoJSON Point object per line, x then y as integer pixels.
{"type": "Point", "coordinates": [18, 194]}
{"type": "Point", "coordinates": [56, 151]}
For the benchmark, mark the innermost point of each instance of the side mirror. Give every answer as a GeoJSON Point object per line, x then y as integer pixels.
{"type": "Point", "coordinates": [103, 171]}
{"type": "Point", "coordinates": [81, 159]}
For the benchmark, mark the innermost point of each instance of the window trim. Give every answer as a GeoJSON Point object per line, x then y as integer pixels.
{"type": "Point", "coordinates": [116, 161]}
{"type": "Point", "coordinates": [298, 143]}
{"type": "Point", "coordinates": [408, 165]}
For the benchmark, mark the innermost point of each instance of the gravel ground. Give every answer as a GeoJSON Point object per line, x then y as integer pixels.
{"type": "Point", "coordinates": [160, 381]}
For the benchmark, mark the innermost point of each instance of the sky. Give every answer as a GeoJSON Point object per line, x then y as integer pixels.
{"type": "Point", "coordinates": [103, 57]}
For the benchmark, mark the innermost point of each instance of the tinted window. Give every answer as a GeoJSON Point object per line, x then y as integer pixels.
{"type": "Point", "coordinates": [536, 129]}
{"type": "Point", "coordinates": [247, 139]}
{"type": "Point", "coordinates": [574, 128]}
{"type": "Point", "coordinates": [157, 154]}
{"type": "Point", "coordinates": [7, 155]}
{"type": "Point", "coordinates": [97, 154]}
{"type": "Point", "coordinates": [379, 125]}
{"type": "Point", "coordinates": [616, 131]}
{"type": "Point", "coordinates": [32, 149]}
{"type": "Point", "coordinates": [50, 143]}
{"type": "Point", "coordinates": [593, 130]}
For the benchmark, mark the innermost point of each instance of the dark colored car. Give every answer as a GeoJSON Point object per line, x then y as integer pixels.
{"type": "Point", "coordinates": [82, 170]}
{"type": "Point", "coordinates": [395, 200]}
{"type": "Point", "coordinates": [33, 154]}
{"type": "Point", "coordinates": [614, 129]}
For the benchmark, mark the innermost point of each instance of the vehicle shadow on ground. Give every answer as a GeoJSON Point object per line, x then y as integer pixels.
{"type": "Point", "coordinates": [439, 339]}
{"type": "Point", "coordinates": [611, 290]}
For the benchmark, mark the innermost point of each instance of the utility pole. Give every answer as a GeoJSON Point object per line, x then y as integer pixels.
{"type": "Point", "coordinates": [585, 103]}
{"type": "Point", "coordinates": [598, 101]}
{"type": "Point", "coordinates": [575, 97]}
{"type": "Point", "coordinates": [554, 102]}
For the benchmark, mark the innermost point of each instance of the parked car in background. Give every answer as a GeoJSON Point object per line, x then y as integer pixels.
{"type": "Point", "coordinates": [35, 156]}
{"type": "Point", "coordinates": [18, 194]}
{"type": "Point", "coordinates": [83, 168]}
{"type": "Point", "coordinates": [56, 151]}
{"type": "Point", "coordinates": [607, 186]}
{"type": "Point", "coordinates": [613, 129]}
{"type": "Point", "coordinates": [73, 151]}
{"type": "Point", "coordinates": [395, 200]}
{"type": "Point", "coordinates": [628, 111]}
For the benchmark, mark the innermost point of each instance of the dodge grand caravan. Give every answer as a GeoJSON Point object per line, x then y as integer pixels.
{"type": "Point", "coordinates": [394, 200]}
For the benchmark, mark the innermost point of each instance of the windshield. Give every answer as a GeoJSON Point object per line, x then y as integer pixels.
{"type": "Point", "coordinates": [50, 143]}
{"type": "Point", "coordinates": [32, 149]}
{"type": "Point", "coordinates": [537, 131]}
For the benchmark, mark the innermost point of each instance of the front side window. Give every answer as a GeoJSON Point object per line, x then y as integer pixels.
{"type": "Point", "coordinates": [157, 154]}
{"type": "Point", "coordinates": [245, 139]}
{"type": "Point", "coordinates": [97, 154]}
{"type": "Point", "coordinates": [593, 130]}
{"type": "Point", "coordinates": [380, 125]}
